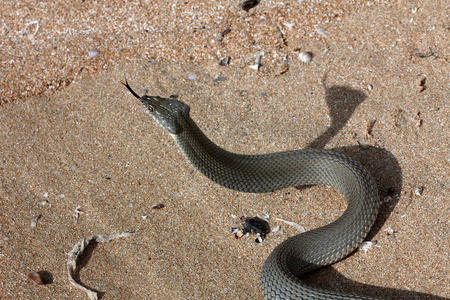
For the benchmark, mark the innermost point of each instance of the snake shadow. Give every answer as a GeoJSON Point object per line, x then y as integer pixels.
{"type": "Point", "coordinates": [384, 167]}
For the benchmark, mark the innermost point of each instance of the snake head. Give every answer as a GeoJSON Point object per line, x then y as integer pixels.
{"type": "Point", "coordinates": [166, 111]}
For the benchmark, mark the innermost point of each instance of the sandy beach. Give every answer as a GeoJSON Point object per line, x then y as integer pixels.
{"type": "Point", "coordinates": [79, 155]}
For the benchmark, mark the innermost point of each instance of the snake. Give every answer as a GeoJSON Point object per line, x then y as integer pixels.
{"type": "Point", "coordinates": [261, 173]}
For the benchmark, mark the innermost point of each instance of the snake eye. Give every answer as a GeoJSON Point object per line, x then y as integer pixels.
{"type": "Point", "coordinates": [150, 108]}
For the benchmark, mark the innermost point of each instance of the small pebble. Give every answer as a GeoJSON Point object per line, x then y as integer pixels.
{"type": "Point", "coordinates": [389, 231]}
{"type": "Point", "coordinates": [225, 32]}
{"type": "Point", "coordinates": [259, 238]}
{"type": "Point", "coordinates": [257, 63]}
{"type": "Point", "coordinates": [94, 53]}
{"type": "Point", "coordinates": [305, 57]}
{"type": "Point", "coordinates": [249, 4]}
{"type": "Point", "coordinates": [219, 77]}
{"type": "Point", "coordinates": [191, 77]}
{"type": "Point", "coordinates": [289, 25]}
{"type": "Point", "coordinates": [158, 206]}
{"type": "Point", "coordinates": [224, 61]}
{"type": "Point", "coordinates": [37, 278]}
{"type": "Point", "coordinates": [238, 232]}
{"type": "Point", "coordinates": [419, 191]}
{"type": "Point", "coordinates": [35, 219]}
{"type": "Point", "coordinates": [366, 246]}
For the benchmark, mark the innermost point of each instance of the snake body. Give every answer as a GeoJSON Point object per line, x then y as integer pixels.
{"type": "Point", "coordinates": [270, 172]}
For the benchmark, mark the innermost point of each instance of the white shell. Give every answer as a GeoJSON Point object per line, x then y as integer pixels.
{"type": "Point", "coordinates": [305, 57]}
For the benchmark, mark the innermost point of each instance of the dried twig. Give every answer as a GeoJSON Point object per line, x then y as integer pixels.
{"type": "Point", "coordinates": [73, 267]}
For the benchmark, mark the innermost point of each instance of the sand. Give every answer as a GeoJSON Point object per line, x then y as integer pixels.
{"type": "Point", "coordinates": [72, 137]}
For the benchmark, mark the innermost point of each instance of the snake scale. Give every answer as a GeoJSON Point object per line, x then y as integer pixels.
{"type": "Point", "coordinates": [304, 252]}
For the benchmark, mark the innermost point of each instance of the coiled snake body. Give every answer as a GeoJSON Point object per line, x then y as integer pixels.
{"type": "Point", "coordinates": [269, 172]}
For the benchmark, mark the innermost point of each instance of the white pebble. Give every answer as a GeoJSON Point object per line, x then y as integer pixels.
{"type": "Point", "coordinates": [35, 219]}
{"type": "Point", "coordinates": [389, 231]}
{"type": "Point", "coordinates": [419, 191]}
{"type": "Point", "coordinates": [94, 53]}
{"type": "Point", "coordinates": [305, 57]}
{"type": "Point", "coordinates": [259, 239]}
{"type": "Point", "coordinates": [365, 246]}
{"type": "Point", "coordinates": [289, 25]}
{"type": "Point", "coordinates": [191, 77]}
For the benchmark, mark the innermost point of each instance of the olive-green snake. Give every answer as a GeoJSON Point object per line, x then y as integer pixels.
{"type": "Point", "coordinates": [270, 172]}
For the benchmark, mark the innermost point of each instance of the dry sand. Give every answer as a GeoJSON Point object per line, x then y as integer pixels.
{"type": "Point", "coordinates": [71, 135]}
